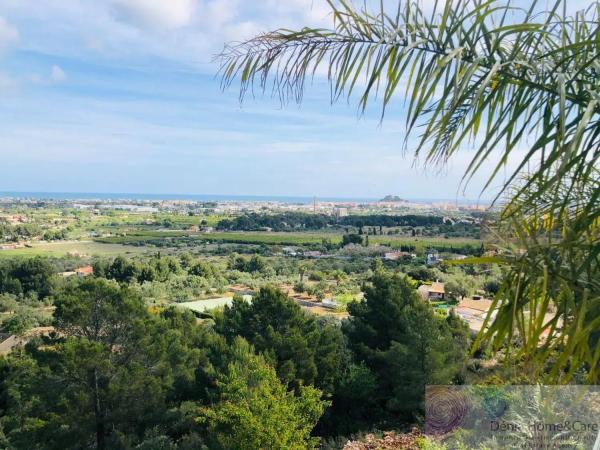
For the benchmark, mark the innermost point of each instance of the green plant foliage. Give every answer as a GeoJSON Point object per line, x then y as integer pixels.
{"type": "Point", "coordinates": [105, 378]}
{"type": "Point", "coordinates": [499, 78]}
{"type": "Point", "coordinates": [303, 350]}
{"type": "Point", "coordinates": [550, 297]}
{"type": "Point", "coordinates": [405, 344]}
{"type": "Point", "coordinates": [27, 276]}
{"type": "Point", "coordinates": [255, 411]}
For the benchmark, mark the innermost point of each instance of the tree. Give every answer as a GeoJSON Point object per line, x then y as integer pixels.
{"type": "Point", "coordinates": [106, 376]}
{"type": "Point", "coordinates": [459, 285]}
{"type": "Point", "coordinates": [101, 267]}
{"type": "Point", "coordinates": [203, 269]}
{"type": "Point", "coordinates": [186, 260]}
{"type": "Point", "coordinates": [164, 267]}
{"type": "Point", "coordinates": [401, 340]}
{"type": "Point", "coordinates": [339, 276]}
{"type": "Point", "coordinates": [255, 411]}
{"type": "Point", "coordinates": [8, 303]}
{"type": "Point", "coordinates": [422, 273]}
{"type": "Point", "coordinates": [99, 311]}
{"type": "Point", "coordinates": [27, 276]}
{"type": "Point", "coordinates": [319, 294]}
{"type": "Point", "coordinates": [302, 269]}
{"type": "Point", "coordinates": [354, 402]}
{"type": "Point", "coordinates": [146, 273]}
{"type": "Point", "coordinates": [351, 239]}
{"type": "Point", "coordinates": [299, 287]}
{"type": "Point", "coordinates": [253, 265]}
{"type": "Point", "coordinates": [479, 56]}
{"type": "Point", "coordinates": [500, 77]}
{"type": "Point", "coordinates": [122, 270]}
{"type": "Point", "coordinates": [256, 264]}
{"type": "Point", "coordinates": [19, 323]}
{"type": "Point", "coordinates": [303, 350]}
{"type": "Point", "coordinates": [491, 286]}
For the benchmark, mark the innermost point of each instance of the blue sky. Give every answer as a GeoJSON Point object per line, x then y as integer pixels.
{"type": "Point", "coordinates": [121, 96]}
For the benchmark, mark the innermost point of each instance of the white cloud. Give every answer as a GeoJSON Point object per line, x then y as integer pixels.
{"type": "Point", "coordinates": [219, 12]}
{"type": "Point", "coordinates": [188, 32]}
{"type": "Point", "coordinates": [8, 34]}
{"type": "Point", "coordinates": [161, 14]}
{"type": "Point", "coordinates": [313, 12]}
{"type": "Point", "coordinates": [57, 74]}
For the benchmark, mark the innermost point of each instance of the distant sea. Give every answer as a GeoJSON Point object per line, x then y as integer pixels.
{"type": "Point", "coordinates": [210, 197]}
{"type": "Point", "coordinates": [192, 197]}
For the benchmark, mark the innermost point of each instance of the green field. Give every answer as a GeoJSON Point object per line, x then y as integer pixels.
{"type": "Point", "coordinates": [286, 238]}
{"type": "Point", "coordinates": [271, 238]}
{"type": "Point", "coordinates": [423, 242]}
{"type": "Point", "coordinates": [136, 237]}
{"type": "Point", "coordinates": [82, 248]}
{"type": "Point", "coordinates": [115, 219]}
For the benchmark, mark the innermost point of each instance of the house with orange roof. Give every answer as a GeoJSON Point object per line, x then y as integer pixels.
{"type": "Point", "coordinates": [84, 271]}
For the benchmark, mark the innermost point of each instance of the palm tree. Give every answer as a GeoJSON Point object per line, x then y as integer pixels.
{"type": "Point", "coordinates": [303, 268]}
{"type": "Point", "coordinates": [493, 76]}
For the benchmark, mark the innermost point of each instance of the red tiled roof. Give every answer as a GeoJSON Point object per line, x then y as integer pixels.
{"type": "Point", "coordinates": [86, 270]}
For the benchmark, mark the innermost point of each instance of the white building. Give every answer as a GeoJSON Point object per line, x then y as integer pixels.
{"type": "Point", "coordinates": [435, 291]}
{"type": "Point", "coordinates": [340, 212]}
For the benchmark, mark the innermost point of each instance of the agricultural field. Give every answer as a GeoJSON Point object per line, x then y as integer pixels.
{"type": "Point", "coordinates": [341, 255]}
{"type": "Point", "coordinates": [186, 266]}
{"type": "Point", "coordinates": [416, 244]}
{"type": "Point", "coordinates": [73, 248]}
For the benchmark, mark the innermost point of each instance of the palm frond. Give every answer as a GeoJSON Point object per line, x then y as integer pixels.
{"type": "Point", "coordinates": [472, 73]}
{"type": "Point", "coordinates": [493, 77]}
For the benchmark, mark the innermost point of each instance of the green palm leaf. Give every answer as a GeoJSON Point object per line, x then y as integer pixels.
{"type": "Point", "coordinates": [492, 76]}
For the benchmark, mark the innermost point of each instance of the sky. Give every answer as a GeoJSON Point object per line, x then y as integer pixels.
{"type": "Point", "coordinates": [122, 96]}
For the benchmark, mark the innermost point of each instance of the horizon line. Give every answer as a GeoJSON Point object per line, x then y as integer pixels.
{"type": "Point", "coordinates": [131, 196]}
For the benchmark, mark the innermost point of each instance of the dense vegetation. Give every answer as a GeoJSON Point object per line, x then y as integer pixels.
{"type": "Point", "coordinates": [27, 277]}
{"type": "Point", "coordinates": [115, 374]}
{"type": "Point", "coordinates": [495, 77]}
{"type": "Point", "coordinates": [303, 350]}
{"type": "Point", "coordinates": [399, 345]}
{"type": "Point", "coordinates": [318, 241]}
{"type": "Point", "coordinates": [295, 220]}
{"type": "Point", "coordinates": [14, 233]}
{"type": "Point", "coordinates": [125, 371]}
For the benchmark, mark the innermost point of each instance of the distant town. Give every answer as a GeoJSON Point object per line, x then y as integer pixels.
{"type": "Point", "coordinates": [133, 203]}
{"type": "Point", "coordinates": [318, 252]}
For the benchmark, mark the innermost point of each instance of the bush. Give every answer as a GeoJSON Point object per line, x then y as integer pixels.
{"type": "Point", "coordinates": [21, 322]}
{"type": "Point", "coordinates": [316, 276]}
{"type": "Point", "coordinates": [299, 287]}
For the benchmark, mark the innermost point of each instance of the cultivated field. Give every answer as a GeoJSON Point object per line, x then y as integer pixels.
{"type": "Point", "coordinates": [81, 248]}
{"type": "Point", "coordinates": [288, 238]}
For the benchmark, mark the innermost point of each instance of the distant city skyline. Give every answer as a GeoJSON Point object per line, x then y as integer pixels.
{"type": "Point", "coordinates": [218, 197]}
{"type": "Point", "coordinates": [121, 96]}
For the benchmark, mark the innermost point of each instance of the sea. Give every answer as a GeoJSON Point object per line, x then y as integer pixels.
{"type": "Point", "coordinates": [116, 196]}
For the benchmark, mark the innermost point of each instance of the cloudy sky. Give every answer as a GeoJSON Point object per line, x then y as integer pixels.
{"type": "Point", "coordinates": [121, 96]}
